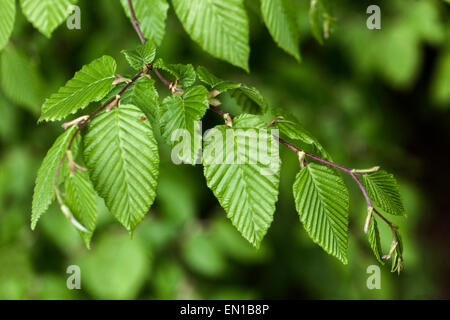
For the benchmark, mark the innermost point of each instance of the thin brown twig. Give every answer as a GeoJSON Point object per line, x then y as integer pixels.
{"type": "Point", "coordinates": [136, 22]}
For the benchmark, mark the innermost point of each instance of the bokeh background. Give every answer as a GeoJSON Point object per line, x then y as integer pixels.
{"type": "Point", "coordinates": [379, 97]}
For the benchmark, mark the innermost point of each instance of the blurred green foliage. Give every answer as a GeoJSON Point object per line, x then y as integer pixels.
{"type": "Point", "coordinates": [371, 96]}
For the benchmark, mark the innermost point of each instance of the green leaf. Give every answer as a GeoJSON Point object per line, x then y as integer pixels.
{"type": "Point", "coordinates": [152, 16]}
{"type": "Point", "coordinates": [185, 73]}
{"type": "Point", "coordinates": [279, 18]}
{"type": "Point", "coordinates": [43, 191]}
{"type": "Point", "coordinates": [143, 95]}
{"type": "Point", "coordinates": [7, 16]}
{"type": "Point", "coordinates": [321, 19]}
{"type": "Point", "coordinates": [219, 27]}
{"type": "Point", "coordinates": [182, 113]}
{"type": "Point", "coordinates": [121, 154]}
{"type": "Point", "coordinates": [373, 236]}
{"type": "Point", "coordinates": [215, 83]}
{"type": "Point", "coordinates": [384, 192]}
{"type": "Point", "coordinates": [250, 99]}
{"type": "Point", "coordinates": [246, 189]}
{"type": "Point", "coordinates": [81, 198]}
{"type": "Point", "coordinates": [90, 84]}
{"type": "Point", "coordinates": [322, 201]}
{"type": "Point", "coordinates": [143, 55]}
{"type": "Point", "coordinates": [46, 15]}
{"type": "Point", "coordinates": [397, 256]}
{"type": "Point", "coordinates": [293, 130]}
{"type": "Point", "coordinates": [80, 195]}
{"type": "Point", "coordinates": [20, 79]}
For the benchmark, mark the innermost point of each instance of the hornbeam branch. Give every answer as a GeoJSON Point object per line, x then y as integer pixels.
{"type": "Point", "coordinates": [351, 172]}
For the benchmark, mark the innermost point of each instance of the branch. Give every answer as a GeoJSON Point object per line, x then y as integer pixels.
{"type": "Point", "coordinates": [81, 124]}
{"type": "Point", "coordinates": [352, 173]}
{"type": "Point", "coordinates": [136, 22]}
{"type": "Point", "coordinates": [137, 27]}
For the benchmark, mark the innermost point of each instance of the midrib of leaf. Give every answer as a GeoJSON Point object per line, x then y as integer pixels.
{"type": "Point", "coordinates": [384, 192]}
{"type": "Point", "coordinates": [184, 113]}
{"type": "Point", "coordinates": [329, 232]}
{"type": "Point", "coordinates": [123, 162]}
{"type": "Point", "coordinates": [122, 157]}
{"type": "Point", "coordinates": [249, 199]}
{"type": "Point", "coordinates": [247, 195]}
{"type": "Point", "coordinates": [322, 200]}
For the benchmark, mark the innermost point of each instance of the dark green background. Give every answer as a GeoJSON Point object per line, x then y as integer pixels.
{"type": "Point", "coordinates": [376, 97]}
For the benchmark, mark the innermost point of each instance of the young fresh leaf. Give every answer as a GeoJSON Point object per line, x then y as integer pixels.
{"type": "Point", "coordinates": [184, 73]}
{"type": "Point", "coordinates": [279, 18]}
{"type": "Point", "coordinates": [143, 95]}
{"type": "Point", "coordinates": [384, 192]}
{"type": "Point", "coordinates": [293, 130]}
{"type": "Point", "coordinates": [397, 256]}
{"type": "Point", "coordinates": [46, 15]}
{"type": "Point", "coordinates": [7, 15]}
{"type": "Point", "coordinates": [152, 16]}
{"type": "Point", "coordinates": [250, 99]}
{"type": "Point", "coordinates": [322, 201]}
{"type": "Point", "coordinates": [143, 55]}
{"type": "Point", "coordinates": [43, 191]}
{"type": "Point", "coordinates": [321, 19]}
{"type": "Point", "coordinates": [215, 83]}
{"type": "Point", "coordinates": [121, 154]}
{"type": "Point", "coordinates": [79, 194]}
{"type": "Point", "coordinates": [81, 198]}
{"type": "Point", "coordinates": [219, 27]}
{"type": "Point", "coordinates": [242, 176]}
{"type": "Point", "coordinates": [20, 79]}
{"type": "Point", "coordinates": [373, 236]}
{"type": "Point", "coordinates": [182, 113]}
{"type": "Point", "coordinates": [90, 84]}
